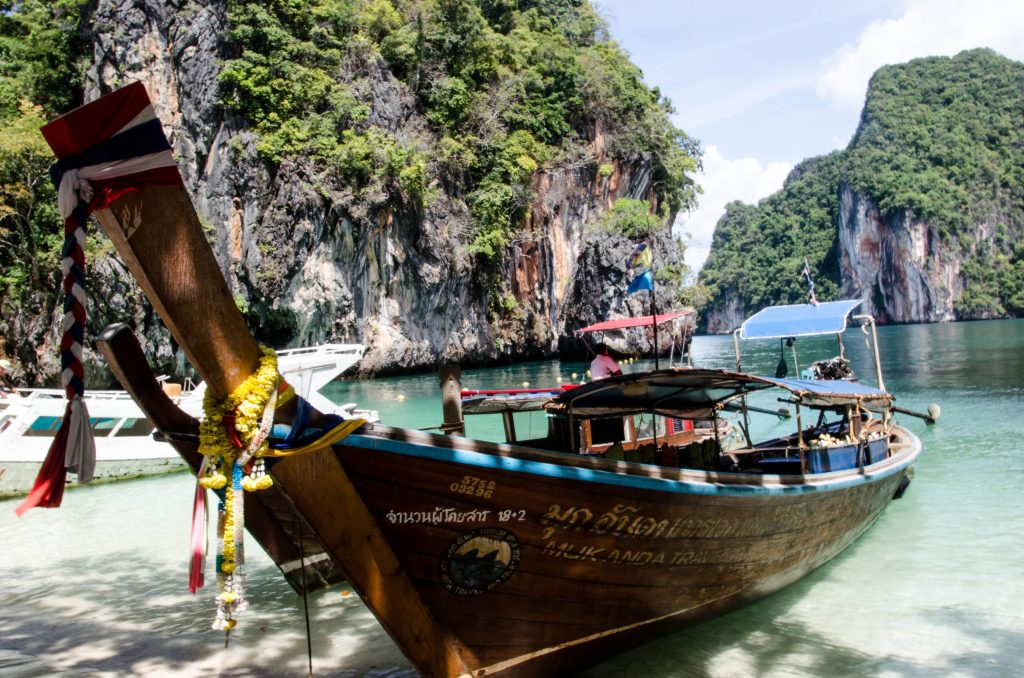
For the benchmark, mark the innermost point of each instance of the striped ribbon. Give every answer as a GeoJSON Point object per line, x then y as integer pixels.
{"type": "Point", "coordinates": [137, 148]}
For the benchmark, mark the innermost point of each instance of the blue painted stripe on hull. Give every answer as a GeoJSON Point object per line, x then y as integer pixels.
{"type": "Point", "coordinates": [538, 468]}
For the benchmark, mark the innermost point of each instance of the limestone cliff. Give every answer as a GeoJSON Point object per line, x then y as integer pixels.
{"type": "Point", "coordinates": [897, 265]}
{"type": "Point", "coordinates": [309, 264]}
{"type": "Point", "coordinates": [921, 216]}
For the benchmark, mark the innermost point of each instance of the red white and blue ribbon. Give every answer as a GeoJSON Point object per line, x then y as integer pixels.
{"type": "Point", "coordinates": [105, 149]}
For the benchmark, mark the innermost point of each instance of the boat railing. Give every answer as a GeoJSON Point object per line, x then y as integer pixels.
{"type": "Point", "coordinates": [28, 394]}
{"type": "Point", "coordinates": [323, 349]}
{"type": "Point", "coordinates": [867, 321]}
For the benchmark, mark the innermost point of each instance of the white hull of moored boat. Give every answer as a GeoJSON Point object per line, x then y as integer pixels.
{"type": "Point", "coordinates": [125, 446]}
{"type": "Point", "coordinates": [17, 477]}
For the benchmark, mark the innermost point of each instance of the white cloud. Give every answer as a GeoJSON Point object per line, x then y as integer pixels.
{"type": "Point", "coordinates": [725, 180]}
{"type": "Point", "coordinates": [707, 100]}
{"type": "Point", "coordinates": [926, 28]}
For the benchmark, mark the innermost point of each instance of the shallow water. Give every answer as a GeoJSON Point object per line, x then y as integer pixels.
{"type": "Point", "coordinates": [99, 587]}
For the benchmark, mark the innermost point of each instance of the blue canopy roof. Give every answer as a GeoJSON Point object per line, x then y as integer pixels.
{"type": "Point", "coordinates": [830, 388]}
{"type": "Point", "coordinates": [696, 393]}
{"type": "Point", "coordinates": [798, 320]}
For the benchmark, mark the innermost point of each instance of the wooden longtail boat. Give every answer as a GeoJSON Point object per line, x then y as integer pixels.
{"type": "Point", "coordinates": [525, 559]}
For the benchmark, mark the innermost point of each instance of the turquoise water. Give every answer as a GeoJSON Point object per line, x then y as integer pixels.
{"type": "Point", "coordinates": [934, 588]}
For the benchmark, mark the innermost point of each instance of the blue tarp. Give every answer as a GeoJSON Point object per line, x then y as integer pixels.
{"type": "Point", "coordinates": [696, 393]}
{"type": "Point", "coordinates": [799, 320]}
{"type": "Point", "coordinates": [837, 387]}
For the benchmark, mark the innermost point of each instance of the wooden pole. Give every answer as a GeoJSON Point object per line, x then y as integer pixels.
{"type": "Point", "coordinates": [451, 399]}
{"type": "Point", "coordinates": [508, 418]}
{"type": "Point", "coordinates": [654, 315]}
{"type": "Point", "coordinates": [654, 303]}
{"type": "Point", "coordinates": [931, 417]}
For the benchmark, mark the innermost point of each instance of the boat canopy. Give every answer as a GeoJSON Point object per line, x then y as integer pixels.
{"type": "Point", "coordinates": [825, 392]}
{"type": "Point", "coordinates": [798, 320]}
{"type": "Point", "coordinates": [699, 393]}
{"type": "Point", "coordinates": [508, 400]}
{"type": "Point", "coordinates": [639, 321]}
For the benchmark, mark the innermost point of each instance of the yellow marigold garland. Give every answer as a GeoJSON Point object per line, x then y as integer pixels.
{"type": "Point", "coordinates": [251, 406]}
{"type": "Point", "coordinates": [233, 433]}
{"type": "Point", "coordinates": [246, 403]}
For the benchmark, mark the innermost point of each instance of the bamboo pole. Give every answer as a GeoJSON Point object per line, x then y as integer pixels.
{"type": "Point", "coordinates": [451, 400]}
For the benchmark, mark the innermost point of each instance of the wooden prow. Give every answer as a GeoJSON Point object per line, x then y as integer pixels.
{"type": "Point", "coordinates": [176, 269]}
{"type": "Point", "coordinates": [156, 230]}
{"type": "Point", "coordinates": [270, 517]}
{"type": "Point", "coordinates": [157, 233]}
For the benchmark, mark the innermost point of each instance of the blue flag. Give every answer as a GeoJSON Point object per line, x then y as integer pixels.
{"type": "Point", "coordinates": [644, 281]}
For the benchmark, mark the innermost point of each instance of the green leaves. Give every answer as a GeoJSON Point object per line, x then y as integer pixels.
{"type": "Point", "coordinates": [940, 137]}
{"type": "Point", "coordinates": [374, 160]}
{"type": "Point", "coordinates": [758, 252]}
{"type": "Point", "coordinates": [507, 87]}
{"type": "Point", "coordinates": [30, 228]}
{"type": "Point", "coordinates": [994, 276]}
{"type": "Point", "coordinates": [41, 55]}
{"type": "Point", "coordinates": [41, 62]}
{"type": "Point", "coordinates": [631, 218]}
{"type": "Point", "coordinates": [286, 82]}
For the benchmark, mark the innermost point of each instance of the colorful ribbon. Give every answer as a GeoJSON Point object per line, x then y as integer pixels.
{"type": "Point", "coordinates": [90, 174]}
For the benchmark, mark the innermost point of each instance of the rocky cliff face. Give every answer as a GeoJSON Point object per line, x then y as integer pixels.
{"type": "Point", "coordinates": [898, 266]}
{"type": "Point", "coordinates": [726, 315]}
{"type": "Point", "coordinates": [312, 267]}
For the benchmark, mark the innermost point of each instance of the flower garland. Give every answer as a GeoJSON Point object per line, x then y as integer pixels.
{"type": "Point", "coordinates": [233, 438]}
{"type": "Point", "coordinates": [234, 432]}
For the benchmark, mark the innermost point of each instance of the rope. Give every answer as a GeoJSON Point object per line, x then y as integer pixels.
{"type": "Point", "coordinates": [73, 269]}
{"type": "Point", "coordinates": [138, 147]}
{"type": "Point", "coordinates": [305, 595]}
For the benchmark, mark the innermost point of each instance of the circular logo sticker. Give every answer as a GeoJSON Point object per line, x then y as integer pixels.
{"type": "Point", "coordinates": [479, 561]}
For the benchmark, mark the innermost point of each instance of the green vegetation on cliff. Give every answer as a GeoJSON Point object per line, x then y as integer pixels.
{"type": "Point", "coordinates": [41, 51]}
{"type": "Point", "coordinates": [387, 102]}
{"type": "Point", "coordinates": [942, 138]}
{"type": "Point", "coordinates": [758, 252]}
{"type": "Point", "coordinates": [507, 87]}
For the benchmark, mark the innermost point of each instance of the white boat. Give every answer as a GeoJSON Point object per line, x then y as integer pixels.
{"type": "Point", "coordinates": [125, 445]}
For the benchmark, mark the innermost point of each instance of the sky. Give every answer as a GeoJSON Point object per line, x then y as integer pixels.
{"type": "Point", "coordinates": [764, 85]}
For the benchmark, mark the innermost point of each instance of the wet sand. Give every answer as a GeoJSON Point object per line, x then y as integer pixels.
{"type": "Point", "coordinates": [49, 642]}
{"type": "Point", "coordinates": [46, 642]}
{"type": "Point", "coordinates": [99, 587]}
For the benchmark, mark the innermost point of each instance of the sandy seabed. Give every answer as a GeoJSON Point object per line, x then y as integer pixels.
{"type": "Point", "coordinates": [48, 642]}
{"type": "Point", "coordinates": [99, 587]}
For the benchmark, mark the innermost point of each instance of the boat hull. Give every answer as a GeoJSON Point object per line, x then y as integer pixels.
{"type": "Point", "coordinates": [125, 446]}
{"type": "Point", "coordinates": [536, 563]}
{"type": "Point", "coordinates": [484, 559]}
{"type": "Point", "coordinates": [18, 477]}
